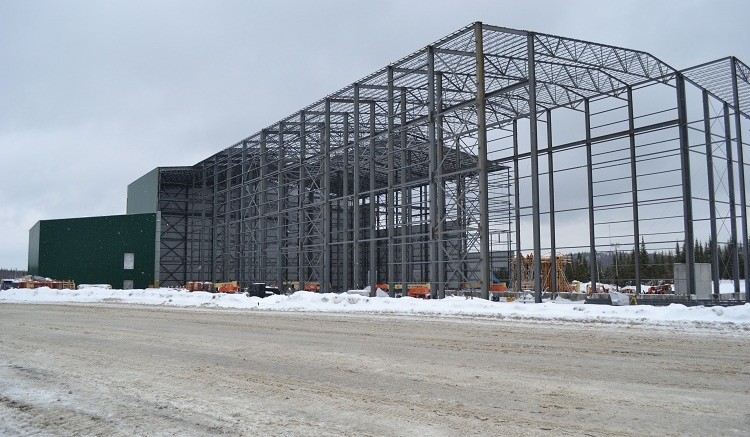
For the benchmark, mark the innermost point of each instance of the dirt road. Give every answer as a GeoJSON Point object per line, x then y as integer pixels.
{"type": "Point", "coordinates": [124, 370]}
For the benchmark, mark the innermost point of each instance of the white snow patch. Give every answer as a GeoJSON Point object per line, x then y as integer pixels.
{"type": "Point", "coordinates": [559, 310]}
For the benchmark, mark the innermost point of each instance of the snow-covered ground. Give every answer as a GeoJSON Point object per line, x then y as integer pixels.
{"type": "Point", "coordinates": [559, 310]}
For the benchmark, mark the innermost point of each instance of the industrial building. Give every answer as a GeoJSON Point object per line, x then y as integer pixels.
{"type": "Point", "coordinates": [119, 250]}
{"type": "Point", "coordinates": [448, 164]}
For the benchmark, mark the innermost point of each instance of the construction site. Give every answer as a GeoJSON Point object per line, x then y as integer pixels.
{"type": "Point", "coordinates": [473, 165]}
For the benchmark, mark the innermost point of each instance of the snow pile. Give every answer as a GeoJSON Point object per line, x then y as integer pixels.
{"type": "Point", "coordinates": [559, 310]}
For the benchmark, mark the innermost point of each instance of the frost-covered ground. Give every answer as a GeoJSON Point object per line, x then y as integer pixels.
{"type": "Point", "coordinates": [559, 310]}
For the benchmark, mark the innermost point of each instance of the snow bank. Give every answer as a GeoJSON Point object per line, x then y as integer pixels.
{"type": "Point", "coordinates": [559, 310]}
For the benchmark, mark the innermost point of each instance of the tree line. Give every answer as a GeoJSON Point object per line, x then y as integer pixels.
{"type": "Point", "coordinates": [619, 268]}
{"type": "Point", "coordinates": [11, 273]}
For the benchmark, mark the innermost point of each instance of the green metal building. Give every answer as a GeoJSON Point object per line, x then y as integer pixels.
{"type": "Point", "coordinates": [119, 250]}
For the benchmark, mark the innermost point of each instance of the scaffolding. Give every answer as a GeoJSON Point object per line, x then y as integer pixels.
{"type": "Point", "coordinates": [406, 175]}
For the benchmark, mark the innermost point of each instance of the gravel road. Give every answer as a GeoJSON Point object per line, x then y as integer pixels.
{"type": "Point", "coordinates": [127, 370]}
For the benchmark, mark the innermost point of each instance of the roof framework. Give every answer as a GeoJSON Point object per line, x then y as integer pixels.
{"type": "Point", "coordinates": [412, 173]}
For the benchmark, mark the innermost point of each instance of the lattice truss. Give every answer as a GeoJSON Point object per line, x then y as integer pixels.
{"type": "Point", "coordinates": [436, 169]}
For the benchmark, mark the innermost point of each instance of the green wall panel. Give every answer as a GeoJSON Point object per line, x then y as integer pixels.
{"type": "Point", "coordinates": [92, 250]}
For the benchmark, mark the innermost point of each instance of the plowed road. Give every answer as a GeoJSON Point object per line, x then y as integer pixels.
{"type": "Point", "coordinates": [125, 370]}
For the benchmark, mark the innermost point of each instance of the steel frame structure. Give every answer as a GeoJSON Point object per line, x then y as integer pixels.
{"type": "Point", "coordinates": [413, 173]}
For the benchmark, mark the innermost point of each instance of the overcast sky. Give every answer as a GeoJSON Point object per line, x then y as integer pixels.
{"type": "Point", "coordinates": [94, 94]}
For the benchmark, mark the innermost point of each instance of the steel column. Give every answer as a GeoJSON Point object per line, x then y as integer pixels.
{"type": "Point", "coordinates": [517, 212]}
{"type": "Point", "coordinates": [281, 262]}
{"type": "Point", "coordinates": [634, 192]}
{"type": "Point", "coordinates": [405, 201]}
{"type": "Point", "coordinates": [326, 286]}
{"type": "Point", "coordinates": [391, 212]}
{"type": "Point", "coordinates": [732, 204]}
{"type": "Point", "coordinates": [432, 153]}
{"type": "Point", "coordinates": [534, 169]}
{"type": "Point", "coordinates": [373, 205]}
{"type": "Point", "coordinates": [551, 177]}
{"type": "Point", "coordinates": [687, 193]}
{"type": "Point", "coordinates": [263, 207]}
{"type": "Point", "coordinates": [243, 206]}
{"type": "Point", "coordinates": [345, 196]}
{"type": "Point", "coordinates": [301, 219]}
{"type": "Point", "coordinates": [484, 221]}
{"type": "Point", "coordinates": [439, 227]}
{"type": "Point", "coordinates": [711, 195]}
{"type": "Point", "coordinates": [741, 175]}
{"type": "Point", "coordinates": [431, 131]}
{"type": "Point", "coordinates": [214, 215]}
{"type": "Point", "coordinates": [590, 182]}
{"type": "Point", "coordinates": [356, 194]}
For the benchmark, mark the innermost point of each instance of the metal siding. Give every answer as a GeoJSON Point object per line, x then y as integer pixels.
{"type": "Point", "coordinates": [91, 250]}
{"type": "Point", "coordinates": [142, 194]}
{"type": "Point", "coordinates": [33, 267]}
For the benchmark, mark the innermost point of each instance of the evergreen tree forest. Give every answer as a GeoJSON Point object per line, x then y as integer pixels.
{"type": "Point", "coordinates": [619, 268]}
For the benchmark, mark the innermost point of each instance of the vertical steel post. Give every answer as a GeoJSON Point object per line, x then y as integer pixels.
{"type": "Point", "coordinates": [201, 259]}
{"type": "Point", "coordinates": [345, 196]}
{"type": "Point", "coordinates": [741, 175]}
{"type": "Point", "coordinates": [461, 213]}
{"type": "Point", "coordinates": [281, 262]}
{"type": "Point", "coordinates": [373, 207]}
{"type": "Point", "coordinates": [301, 219]}
{"type": "Point", "coordinates": [243, 217]}
{"type": "Point", "coordinates": [432, 154]}
{"type": "Point", "coordinates": [326, 286]}
{"type": "Point", "coordinates": [440, 185]}
{"type": "Point", "coordinates": [711, 194]}
{"type": "Point", "coordinates": [484, 220]}
{"type": "Point", "coordinates": [356, 199]}
{"type": "Point", "coordinates": [405, 201]}
{"type": "Point", "coordinates": [551, 177]}
{"type": "Point", "coordinates": [517, 207]}
{"type": "Point", "coordinates": [227, 218]}
{"type": "Point", "coordinates": [214, 225]}
{"type": "Point", "coordinates": [732, 204]}
{"type": "Point", "coordinates": [634, 192]}
{"type": "Point", "coordinates": [391, 212]}
{"type": "Point", "coordinates": [533, 140]}
{"type": "Point", "coordinates": [225, 255]}
{"type": "Point", "coordinates": [263, 206]}
{"type": "Point", "coordinates": [687, 193]}
{"type": "Point", "coordinates": [590, 183]}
